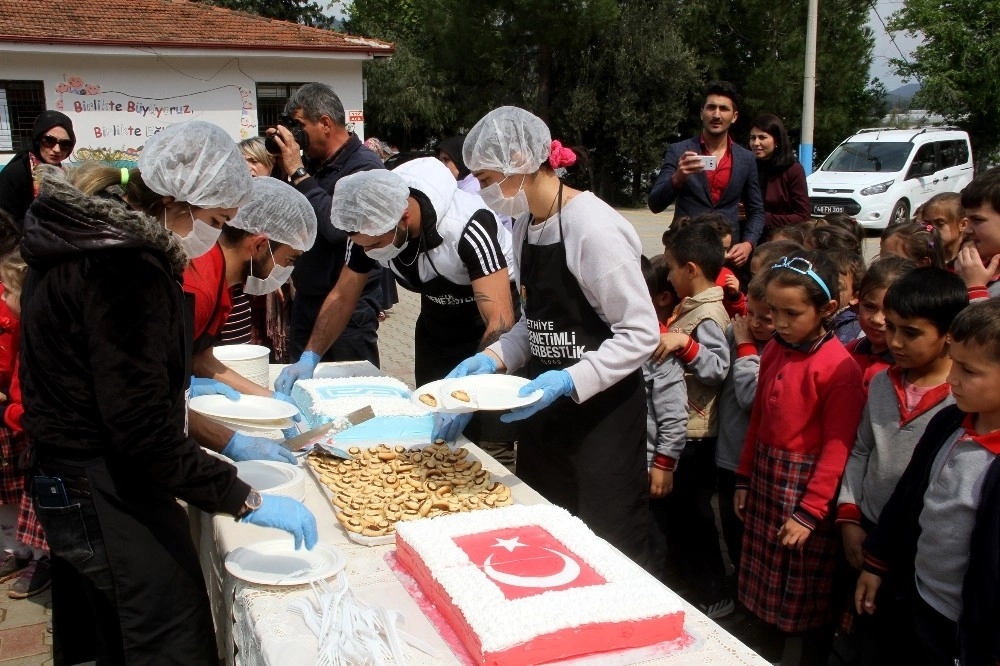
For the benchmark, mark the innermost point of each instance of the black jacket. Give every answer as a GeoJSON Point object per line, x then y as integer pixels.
{"type": "Point", "coordinates": [104, 363]}
{"type": "Point", "coordinates": [892, 545]}
{"type": "Point", "coordinates": [317, 270]}
{"type": "Point", "coordinates": [16, 188]}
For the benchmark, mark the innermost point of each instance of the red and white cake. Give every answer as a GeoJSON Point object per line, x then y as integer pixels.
{"type": "Point", "coordinates": [532, 584]}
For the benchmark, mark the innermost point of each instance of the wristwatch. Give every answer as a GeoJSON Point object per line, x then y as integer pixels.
{"type": "Point", "coordinates": [251, 503]}
{"type": "Point", "coordinates": [299, 173]}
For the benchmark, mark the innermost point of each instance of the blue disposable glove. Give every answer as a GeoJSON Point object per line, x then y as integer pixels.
{"type": "Point", "coordinates": [480, 364]}
{"type": "Point", "coordinates": [243, 447]}
{"type": "Point", "coordinates": [554, 384]}
{"type": "Point", "coordinates": [286, 514]}
{"type": "Point", "coordinates": [277, 395]}
{"type": "Point", "coordinates": [304, 369]}
{"type": "Point", "coordinates": [449, 426]}
{"type": "Point", "coordinates": [203, 386]}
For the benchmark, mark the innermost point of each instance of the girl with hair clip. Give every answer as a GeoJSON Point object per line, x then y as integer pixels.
{"type": "Point", "coordinates": [914, 241]}
{"type": "Point", "coordinates": [782, 179]}
{"type": "Point", "coordinates": [583, 444]}
{"type": "Point", "coordinates": [803, 422]}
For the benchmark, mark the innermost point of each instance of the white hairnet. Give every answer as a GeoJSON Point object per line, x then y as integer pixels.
{"type": "Point", "coordinates": [509, 140]}
{"type": "Point", "coordinates": [280, 212]}
{"type": "Point", "coordinates": [197, 163]}
{"type": "Point", "coordinates": [369, 202]}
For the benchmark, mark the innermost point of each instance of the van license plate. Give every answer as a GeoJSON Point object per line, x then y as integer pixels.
{"type": "Point", "coordinates": [824, 210]}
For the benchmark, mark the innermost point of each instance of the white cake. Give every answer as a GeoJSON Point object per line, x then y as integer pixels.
{"type": "Point", "coordinates": [532, 584]}
{"type": "Point", "coordinates": [326, 400]}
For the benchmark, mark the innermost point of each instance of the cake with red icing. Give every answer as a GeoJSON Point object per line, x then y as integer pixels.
{"type": "Point", "coordinates": [532, 584]}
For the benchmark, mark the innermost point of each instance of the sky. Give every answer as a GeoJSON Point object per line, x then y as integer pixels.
{"type": "Point", "coordinates": [884, 48]}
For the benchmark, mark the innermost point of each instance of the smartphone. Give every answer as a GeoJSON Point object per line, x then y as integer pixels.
{"type": "Point", "coordinates": [708, 161]}
{"type": "Point", "coordinates": [50, 492]}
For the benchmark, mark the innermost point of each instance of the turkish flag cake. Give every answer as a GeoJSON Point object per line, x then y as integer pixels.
{"type": "Point", "coordinates": [532, 584]}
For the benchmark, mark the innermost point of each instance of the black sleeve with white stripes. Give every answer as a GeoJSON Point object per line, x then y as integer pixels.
{"type": "Point", "coordinates": [357, 260]}
{"type": "Point", "coordinates": [479, 248]}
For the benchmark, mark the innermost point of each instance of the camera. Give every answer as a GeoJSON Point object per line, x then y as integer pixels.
{"type": "Point", "coordinates": [293, 126]}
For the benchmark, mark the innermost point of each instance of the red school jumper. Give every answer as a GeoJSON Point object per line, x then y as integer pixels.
{"type": "Point", "coordinates": [805, 416]}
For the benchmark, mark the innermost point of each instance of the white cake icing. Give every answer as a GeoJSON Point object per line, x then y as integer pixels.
{"type": "Point", "coordinates": [326, 400]}
{"type": "Point", "coordinates": [630, 593]}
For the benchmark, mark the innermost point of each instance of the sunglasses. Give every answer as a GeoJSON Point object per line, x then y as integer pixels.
{"type": "Point", "coordinates": [802, 267]}
{"type": "Point", "coordinates": [49, 141]}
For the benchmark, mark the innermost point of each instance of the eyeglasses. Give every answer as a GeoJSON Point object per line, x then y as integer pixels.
{"type": "Point", "coordinates": [803, 267]}
{"type": "Point", "coordinates": [49, 141]}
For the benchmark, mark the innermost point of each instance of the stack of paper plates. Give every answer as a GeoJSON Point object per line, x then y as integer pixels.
{"type": "Point", "coordinates": [273, 478]}
{"type": "Point", "coordinates": [251, 361]}
{"type": "Point", "coordinates": [251, 413]}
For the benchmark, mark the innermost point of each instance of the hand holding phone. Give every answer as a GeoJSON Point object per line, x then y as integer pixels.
{"type": "Point", "coordinates": [708, 162]}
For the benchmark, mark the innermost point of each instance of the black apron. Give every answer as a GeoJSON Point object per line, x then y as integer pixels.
{"type": "Point", "coordinates": [449, 327]}
{"type": "Point", "coordinates": [122, 553]}
{"type": "Point", "coordinates": [589, 458]}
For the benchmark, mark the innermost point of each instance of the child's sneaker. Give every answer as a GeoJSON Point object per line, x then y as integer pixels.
{"type": "Point", "coordinates": [36, 578]}
{"type": "Point", "coordinates": [717, 609]}
{"type": "Point", "coordinates": [11, 565]}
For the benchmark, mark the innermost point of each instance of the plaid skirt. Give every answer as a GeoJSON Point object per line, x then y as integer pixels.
{"type": "Point", "coordinates": [12, 474]}
{"type": "Point", "coordinates": [792, 590]}
{"type": "Point", "coordinates": [13, 487]}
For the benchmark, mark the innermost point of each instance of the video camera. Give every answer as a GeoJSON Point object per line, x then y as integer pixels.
{"type": "Point", "coordinates": [293, 126]}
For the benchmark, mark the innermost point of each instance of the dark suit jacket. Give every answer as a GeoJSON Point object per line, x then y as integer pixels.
{"type": "Point", "coordinates": [693, 199]}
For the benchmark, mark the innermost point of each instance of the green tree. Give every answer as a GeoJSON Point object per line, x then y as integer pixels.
{"type": "Point", "coordinates": [957, 64]}
{"type": "Point", "coordinates": [297, 11]}
{"type": "Point", "coordinates": [759, 45]}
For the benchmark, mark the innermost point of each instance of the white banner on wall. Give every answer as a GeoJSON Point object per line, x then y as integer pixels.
{"type": "Point", "coordinates": [112, 124]}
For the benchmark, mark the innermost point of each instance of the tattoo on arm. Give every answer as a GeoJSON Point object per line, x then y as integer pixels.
{"type": "Point", "coordinates": [492, 335]}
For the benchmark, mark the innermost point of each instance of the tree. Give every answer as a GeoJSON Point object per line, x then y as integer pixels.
{"type": "Point", "coordinates": [957, 64]}
{"type": "Point", "coordinates": [296, 11]}
{"type": "Point", "coordinates": [760, 46]}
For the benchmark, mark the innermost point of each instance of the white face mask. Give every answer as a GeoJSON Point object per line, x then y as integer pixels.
{"type": "Point", "coordinates": [254, 286]}
{"type": "Point", "coordinates": [514, 206]}
{"type": "Point", "coordinates": [384, 255]}
{"type": "Point", "coordinates": [201, 239]}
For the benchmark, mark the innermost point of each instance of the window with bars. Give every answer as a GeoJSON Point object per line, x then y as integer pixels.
{"type": "Point", "coordinates": [271, 98]}
{"type": "Point", "coordinates": [21, 102]}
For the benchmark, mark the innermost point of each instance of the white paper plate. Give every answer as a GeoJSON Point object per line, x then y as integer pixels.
{"type": "Point", "coordinates": [445, 403]}
{"type": "Point", "coordinates": [278, 563]}
{"type": "Point", "coordinates": [489, 392]}
{"type": "Point", "coordinates": [255, 426]}
{"type": "Point", "coordinates": [247, 408]}
{"type": "Point", "coordinates": [231, 353]}
{"type": "Point", "coordinates": [273, 478]}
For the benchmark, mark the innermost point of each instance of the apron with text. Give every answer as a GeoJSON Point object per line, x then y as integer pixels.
{"type": "Point", "coordinates": [589, 458]}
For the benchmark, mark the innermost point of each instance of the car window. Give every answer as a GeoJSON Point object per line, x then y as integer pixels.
{"type": "Point", "coordinates": [923, 161]}
{"type": "Point", "coordinates": [962, 151]}
{"type": "Point", "coordinates": [869, 156]}
{"type": "Point", "coordinates": [949, 153]}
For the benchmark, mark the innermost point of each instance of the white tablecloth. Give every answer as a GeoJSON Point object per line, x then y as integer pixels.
{"type": "Point", "coordinates": [255, 627]}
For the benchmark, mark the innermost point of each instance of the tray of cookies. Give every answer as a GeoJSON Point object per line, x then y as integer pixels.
{"type": "Point", "coordinates": [383, 485]}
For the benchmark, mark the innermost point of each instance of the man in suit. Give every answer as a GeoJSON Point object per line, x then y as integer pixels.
{"type": "Point", "coordinates": [683, 178]}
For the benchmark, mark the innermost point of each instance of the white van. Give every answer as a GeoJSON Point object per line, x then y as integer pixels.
{"type": "Point", "coordinates": [880, 175]}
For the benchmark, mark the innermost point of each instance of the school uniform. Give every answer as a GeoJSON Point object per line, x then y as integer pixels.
{"type": "Point", "coordinates": [805, 416]}
{"type": "Point", "coordinates": [586, 309]}
{"type": "Point", "coordinates": [735, 405]}
{"type": "Point", "coordinates": [940, 534]}
{"type": "Point", "coordinates": [887, 435]}
{"type": "Point", "coordinates": [870, 362]}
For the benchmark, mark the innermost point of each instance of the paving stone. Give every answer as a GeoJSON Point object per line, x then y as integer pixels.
{"type": "Point", "coordinates": [23, 641]}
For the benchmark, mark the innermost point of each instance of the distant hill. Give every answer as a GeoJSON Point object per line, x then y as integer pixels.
{"type": "Point", "coordinates": [901, 97]}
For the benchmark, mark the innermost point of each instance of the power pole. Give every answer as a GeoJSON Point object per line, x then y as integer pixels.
{"type": "Point", "coordinates": [809, 89]}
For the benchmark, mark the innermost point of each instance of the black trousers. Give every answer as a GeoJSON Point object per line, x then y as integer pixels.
{"type": "Point", "coordinates": [732, 527]}
{"type": "Point", "coordinates": [687, 518]}
{"type": "Point", "coordinates": [357, 342]}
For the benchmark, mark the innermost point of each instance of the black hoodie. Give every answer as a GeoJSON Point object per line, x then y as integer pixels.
{"type": "Point", "coordinates": [103, 360]}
